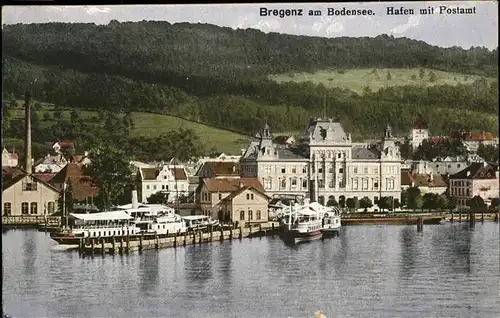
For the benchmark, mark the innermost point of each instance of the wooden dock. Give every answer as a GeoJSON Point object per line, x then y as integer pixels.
{"type": "Point", "coordinates": [127, 244]}
{"type": "Point", "coordinates": [31, 221]}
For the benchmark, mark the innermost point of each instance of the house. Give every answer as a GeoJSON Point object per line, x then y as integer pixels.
{"type": "Point", "coordinates": [50, 164]}
{"type": "Point", "coordinates": [419, 132]}
{"type": "Point", "coordinates": [221, 169]}
{"type": "Point", "coordinates": [426, 182]}
{"type": "Point", "coordinates": [62, 146]}
{"type": "Point", "coordinates": [80, 186]}
{"type": "Point", "coordinates": [169, 179]}
{"type": "Point", "coordinates": [478, 179]}
{"type": "Point", "coordinates": [25, 194]}
{"type": "Point", "coordinates": [9, 159]}
{"type": "Point", "coordinates": [245, 205]}
{"type": "Point", "coordinates": [81, 159]}
{"type": "Point", "coordinates": [212, 191]}
{"type": "Point", "coordinates": [472, 140]}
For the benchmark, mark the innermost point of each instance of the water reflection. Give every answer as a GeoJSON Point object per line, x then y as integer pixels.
{"type": "Point", "coordinates": [224, 257]}
{"type": "Point", "coordinates": [29, 251]}
{"type": "Point", "coordinates": [409, 252]}
{"type": "Point", "coordinates": [198, 263]}
{"type": "Point", "coordinates": [149, 267]}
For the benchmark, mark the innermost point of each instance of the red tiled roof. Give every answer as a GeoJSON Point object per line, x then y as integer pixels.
{"type": "Point", "coordinates": [422, 180]}
{"type": "Point", "coordinates": [241, 190]}
{"type": "Point", "coordinates": [45, 176]}
{"type": "Point", "coordinates": [226, 185]}
{"type": "Point", "coordinates": [81, 185]}
{"type": "Point", "coordinates": [477, 171]}
{"type": "Point", "coordinates": [479, 136]}
{"type": "Point", "coordinates": [178, 173]}
{"type": "Point", "coordinates": [223, 168]}
{"type": "Point", "coordinates": [419, 123]}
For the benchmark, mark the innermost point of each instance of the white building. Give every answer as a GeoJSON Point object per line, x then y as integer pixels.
{"type": "Point", "coordinates": [418, 133]}
{"type": "Point", "coordinates": [169, 179]}
{"type": "Point", "coordinates": [9, 159]}
{"type": "Point", "coordinates": [325, 165]}
{"type": "Point", "coordinates": [477, 179]}
{"type": "Point", "coordinates": [50, 164]}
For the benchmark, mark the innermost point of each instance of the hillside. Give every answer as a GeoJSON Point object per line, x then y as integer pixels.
{"type": "Point", "coordinates": [376, 78]}
{"type": "Point", "coordinates": [237, 79]}
{"type": "Point", "coordinates": [148, 125]}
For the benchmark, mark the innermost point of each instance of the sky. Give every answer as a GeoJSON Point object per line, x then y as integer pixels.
{"type": "Point", "coordinates": [479, 29]}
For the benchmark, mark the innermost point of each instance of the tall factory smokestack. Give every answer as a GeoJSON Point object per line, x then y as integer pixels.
{"type": "Point", "coordinates": [27, 132]}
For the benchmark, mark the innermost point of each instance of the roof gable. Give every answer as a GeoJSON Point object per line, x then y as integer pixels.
{"type": "Point", "coordinates": [228, 185]}
{"type": "Point", "coordinates": [242, 189]}
{"type": "Point", "coordinates": [23, 174]}
{"type": "Point", "coordinates": [477, 171]}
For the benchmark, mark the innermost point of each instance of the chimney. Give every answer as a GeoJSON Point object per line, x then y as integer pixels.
{"type": "Point", "coordinates": [27, 133]}
{"type": "Point", "coordinates": [135, 201]}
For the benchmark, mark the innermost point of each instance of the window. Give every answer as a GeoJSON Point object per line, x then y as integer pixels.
{"type": "Point", "coordinates": [248, 196]}
{"type": "Point", "coordinates": [365, 170]}
{"type": "Point", "coordinates": [147, 187]}
{"type": "Point", "coordinates": [294, 182]}
{"type": "Point", "coordinates": [7, 208]}
{"type": "Point", "coordinates": [283, 183]}
{"type": "Point", "coordinates": [365, 184]}
{"type": "Point", "coordinates": [29, 186]}
{"type": "Point", "coordinates": [341, 170]}
{"type": "Point", "coordinates": [220, 196]}
{"type": "Point", "coordinates": [355, 184]}
{"type": "Point", "coordinates": [267, 169]}
{"type": "Point", "coordinates": [294, 170]}
{"type": "Point", "coordinates": [320, 170]}
{"type": "Point", "coordinates": [24, 208]}
{"type": "Point", "coordinates": [321, 183]}
{"type": "Point", "coordinates": [251, 196]}
{"type": "Point", "coordinates": [34, 208]}
{"type": "Point", "coordinates": [375, 170]}
{"type": "Point", "coordinates": [154, 187]}
{"type": "Point", "coordinates": [250, 215]}
{"type": "Point", "coordinates": [390, 184]}
{"type": "Point", "coordinates": [375, 185]}
{"type": "Point", "coordinates": [259, 215]}
{"type": "Point", "coordinates": [355, 169]}
{"type": "Point", "coordinates": [268, 151]}
{"type": "Point", "coordinates": [330, 183]}
{"type": "Point", "coordinates": [330, 170]}
{"type": "Point", "coordinates": [304, 184]}
{"type": "Point", "coordinates": [283, 170]}
{"type": "Point", "coordinates": [242, 215]}
{"type": "Point", "coordinates": [458, 165]}
{"type": "Point", "coordinates": [164, 177]}
{"type": "Point", "coordinates": [163, 187]}
{"type": "Point", "coordinates": [267, 184]}
{"type": "Point", "coordinates": [339, 155]}
{"type": "Point", "coordinates": [304, 170]}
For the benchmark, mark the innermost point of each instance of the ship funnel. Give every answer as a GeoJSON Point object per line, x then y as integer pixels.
{"type": "Point", "coordinates": [135, 201]}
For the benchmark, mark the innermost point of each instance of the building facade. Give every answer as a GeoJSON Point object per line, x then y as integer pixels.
{"type": "Point", "coordinates": [9, 159]}
{"type": "Point", "coordinates": [246, 205]}
{"type": "Point", "coordinates": [25, 194]}
{"type": "Point", "coordinates": [169, 179]}
{"type": "Point", "coordinates": [325, 165]}
{"type": "Point", "coordinates": [478, 179]}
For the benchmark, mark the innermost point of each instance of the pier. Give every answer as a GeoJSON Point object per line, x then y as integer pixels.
{"type": "Point", "coordinates": [31, 221]}
{"type": "Point", "coordinates": [126, 244]}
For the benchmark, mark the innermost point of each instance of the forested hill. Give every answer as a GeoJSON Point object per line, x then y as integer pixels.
{"type": "Point", "coordinates": [161, 48]}
{"type": "Point", "coordinates": [219, 76]}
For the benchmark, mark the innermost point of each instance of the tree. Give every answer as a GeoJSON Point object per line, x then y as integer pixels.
{"type": "Point", "coordinates": [404, 197]}
{"type": "Point", "coordinates": [74, 116]}
{"type": "Point", "coordinates": [432, 77]}
{"type": "Point", "coordinates": [13, 104]}
{"type": "Point", "coordinates": [429, 201]}
{"type": "Point", "coordinates": [421, 73]}
{"type": "Point", "coordinates": [413, 195]}
{"type": "Point", "coordinates": [413, 77]}
{"type": "Point", "coordinates": [342, 201]}
{"type": "Point", "coordinates": [442, 202]}
{"type": "Point", "coordinates": [110, 171]}
{"type": "Point", "coordinates": [332, 202]}
{"type": "Point", "coordinates": [352, 204]}
{"type": "Point", "coordinates": [389, 77]}
{"type": "Point", "coordinates": [159, 197]}
{"type": "Point", "coordinates": [495, 204]}
{"type": "Point", "coordinates": [476, 203]}
{"type": "Point", "coordinates": [384, 203]}
{"type": "Point", "coordinates": [488, 152]}
{"type": "Point", "coordinates": [47, 116]}
{"type": "Point", "coordinates": [365, 203]}
{"type": "Point", "coordinates": [452, 203]}
{"type": "Point", "coordinates": [406, 149]}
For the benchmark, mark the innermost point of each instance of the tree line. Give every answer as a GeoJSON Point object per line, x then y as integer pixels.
{"type": "Point", "coordinates": [287, 106]}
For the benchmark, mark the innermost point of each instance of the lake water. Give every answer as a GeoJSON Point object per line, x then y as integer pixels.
{"type": "Point", "coordinates": [447, 270]}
